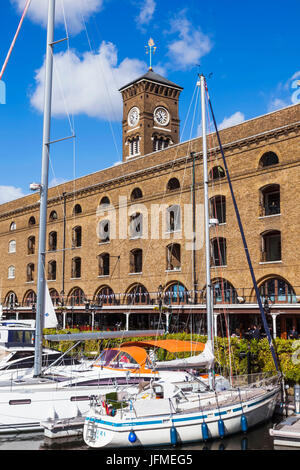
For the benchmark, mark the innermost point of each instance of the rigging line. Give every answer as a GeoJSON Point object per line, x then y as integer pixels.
{"type": "Point", "coordinates": [211, 137]}
{"type": "Point", "coordinates": [266, 327]}
{"type": "Point", "coordinates": [72, 113]}
{"type": "Point", "coordinates": [187, 115]}
{"type": "Point", "coordinates": [98, 62]}
{"type": "Point", "coordinates": [14, 39]}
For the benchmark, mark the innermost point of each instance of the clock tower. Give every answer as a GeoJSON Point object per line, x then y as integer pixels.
{"type": "Point", "coordinates": [150, 115]}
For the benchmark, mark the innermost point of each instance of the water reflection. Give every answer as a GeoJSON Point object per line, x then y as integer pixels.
{"type": "Point", "coordinates": [257, 438]}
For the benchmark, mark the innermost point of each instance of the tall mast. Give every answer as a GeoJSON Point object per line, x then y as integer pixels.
{"type": "Point", "coordinates": [206, 223]}
{"type": "Point", "coordinates": [41, 283]}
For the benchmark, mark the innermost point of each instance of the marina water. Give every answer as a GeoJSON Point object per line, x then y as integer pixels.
{"type": "Point", "coordinates": [256, 439]}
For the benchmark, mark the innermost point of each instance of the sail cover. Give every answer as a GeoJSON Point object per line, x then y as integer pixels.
{"type": "Point", "coordinates": [204, 359]}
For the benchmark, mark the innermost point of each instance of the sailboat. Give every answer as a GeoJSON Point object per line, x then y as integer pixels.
{"type": "Point", "coordinates": [40, 394]}
{"type": "Point", "coordinates": [165, 414]}
{"type": "Point", "coordinates": [17, 345]}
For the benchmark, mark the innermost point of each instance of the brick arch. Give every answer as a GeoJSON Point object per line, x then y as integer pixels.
{"type": "Point", "coordinates": [104, 295]}
{"type": "Point", "coordinates": [175, 292]}
{"type": "Point", "coordinates": [273, 149]}
{"type": "Point", "coordinates": [9, 297]}
{"type": "Point", "coordinates": [77, 295]}
{"type": "Point", "coordinates": [29, 298]}
{"type": "Point", "coordinates": [280, 295]}
{"type": "Point", "coordinates": [224, 293]}
{"type": "Point", "coordinates": [137, 293]}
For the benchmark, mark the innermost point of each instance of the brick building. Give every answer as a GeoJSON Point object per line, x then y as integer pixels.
{"type": "Point", "coordinates": [120, 248]}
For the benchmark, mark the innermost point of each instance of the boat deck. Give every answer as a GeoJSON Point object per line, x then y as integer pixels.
{"type": "Point", "coordinates": [287, 433]}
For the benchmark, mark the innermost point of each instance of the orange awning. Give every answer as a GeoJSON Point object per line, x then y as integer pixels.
{"type": "Point", "coordinates": [171, 345]}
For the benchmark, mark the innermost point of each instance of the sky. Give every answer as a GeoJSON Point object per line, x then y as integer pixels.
{"type": "Point", "coordinates": [249, 51]}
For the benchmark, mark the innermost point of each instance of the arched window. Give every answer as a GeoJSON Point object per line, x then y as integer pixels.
{"type": "Point", "coordinates": [268, 159]}
{"type": "Point", "coordinates": [52, 241]}
{"type": "Point", "coordinates": [173, 184]}
{"type": "Point", "coordinates": [54, 297]}
{"type": "Point", "coordinates": [134, 146]}
{"type": "Point", "coordinates": [29, 299]}
{"type": "Point", "coordinates": [173, 218]}
{"type": "Point", "coordinates": [224, 292]}
{"type": "Point", "coordinates": [136, 194]}
{"type": "Point", "coordinates": [176, 293]}
{"type": "Point", "coordinates": [173, 257]}
{"type": "Point", "coordinates": [30, 272]}
{"type": "Point", "coordinates": [12, 226]}
{"type": "Point", "coordinates": [271, 246]}
{"type": "Point", "coordinates": [52, 270]}
{"type": "Point", "coordinates": [76, 268]}
{"type": "Point", "coordinates": [136, 261]}
{"type": "Point", "coordinates": [138, 294]}
{"type": "Point", "coordinates": [216, 173]}
{"type": "Point", "coordinates": [103, 265]}
{"type": "Point", "coordinates": [160, 143]}
{"type": "Point", "coordinates": [31, 245]}
{"type": "Point", "coordinates": [104, 201]}
{"type": "Point", "coordinates": [104, 231]}
{"type": "Point", "coordinates": [77, 237]}
{"type": "Point", "coordinates": [270, 200]}
{"type": "Point", "coordinates": [10, 299]}
{"type": "Point", "coordinates": [11, 272]}
{"type": "Point", "coordinates": [76, 297]}
{"type": "Point", "coordinates": [31, 220]}
{"type": "Point", "coordinates": [218, 208]}
{"type": "Point", "coordinates": [53, 216]}
{"type": "Point", "coordinates": [218, 252]}
{"type": "Point", "coordinates": [105, 296]}
{"type": "Point", "coordinates": [277, 290]}
{"type": "Point", "coordinates": [12, 246]}
{"type": "Point", "coordinates": [136, 225]}
{"type": "Point", "coordinates": [77, 209]}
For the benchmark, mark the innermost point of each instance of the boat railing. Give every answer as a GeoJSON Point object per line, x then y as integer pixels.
{"type": "Point", "coordinates": [259, 382]}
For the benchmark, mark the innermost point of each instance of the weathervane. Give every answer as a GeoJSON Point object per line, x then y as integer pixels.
{"type": "Point", "coordinates": [150, 49]}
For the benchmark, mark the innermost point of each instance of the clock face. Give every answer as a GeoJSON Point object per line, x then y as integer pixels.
{"type": "Point", "coordinates": [133, 116]}
{"type": "Point", "coordinates": [161, 116]}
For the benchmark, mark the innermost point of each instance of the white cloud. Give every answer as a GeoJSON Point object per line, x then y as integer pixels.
{"type": "Point", "coordinates": [236, 118]}
{"type": "Point", "coordinates": [9, 193]}
{"type": "Point", "coordinates": [74, 10]}
{"type": "Point", "coordinates": [55, 181]}
{"type": "Point", "coordinates": [146, 12]}
{"type": "Point", "coordinates": [191, 46]}
{"type": "Point", "coordinates": [88, 83]}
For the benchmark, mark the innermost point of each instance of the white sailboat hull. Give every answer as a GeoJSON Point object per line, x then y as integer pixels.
{"type": "Point", "coordinates": [155, 430]}
{"type": "Point", "coordinates": [24, 407]}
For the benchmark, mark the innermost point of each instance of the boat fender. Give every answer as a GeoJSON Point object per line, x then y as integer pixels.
{"type": "Point", "coordinates": [173, 436]}
{"type": "Point", "coordinates": [244, 423]}
{"type": "Point", "coordinates": [205, 434]}
{"type": "Point", "coordinates": [132, 437]}
{"type": "Point", "coordinates": [221, 428]}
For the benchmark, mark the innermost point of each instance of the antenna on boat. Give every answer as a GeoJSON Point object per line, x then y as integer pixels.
{"type": "Point", "coordinates": [201, 83]}
{"type": "Point", "coordinates": [44, 192]}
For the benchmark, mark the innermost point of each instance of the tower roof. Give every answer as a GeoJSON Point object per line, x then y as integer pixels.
{"type": "Point", "coordinates": [153, 77]}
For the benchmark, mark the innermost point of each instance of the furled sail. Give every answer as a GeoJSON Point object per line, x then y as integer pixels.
{"type": "Point", "coordinates": [204, 359]}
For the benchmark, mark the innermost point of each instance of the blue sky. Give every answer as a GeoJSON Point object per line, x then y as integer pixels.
{"type": "Point", "coordinates": [252, 49]}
